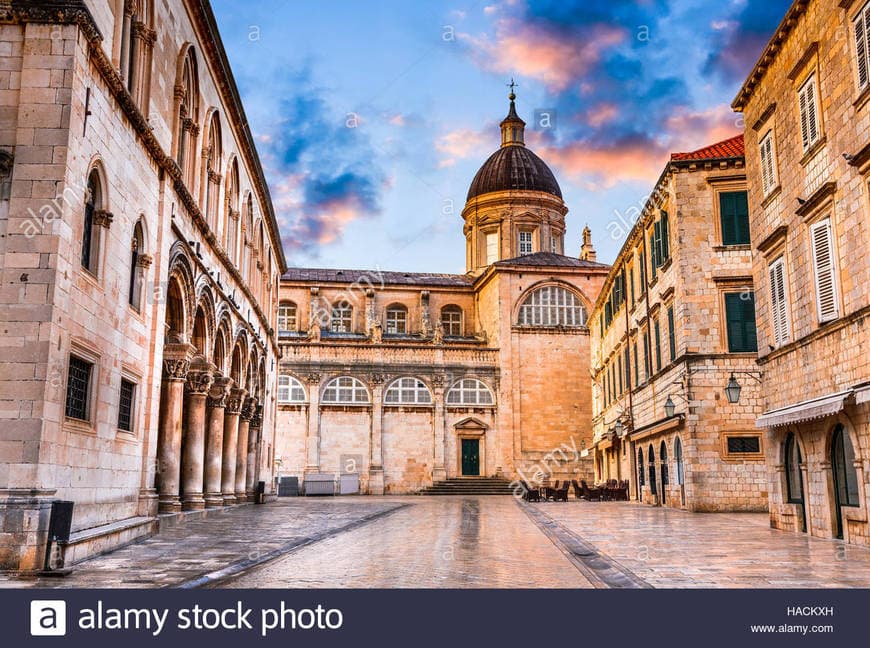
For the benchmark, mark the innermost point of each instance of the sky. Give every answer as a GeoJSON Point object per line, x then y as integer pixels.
{"type": "Point", "coordinates": [371, 118]}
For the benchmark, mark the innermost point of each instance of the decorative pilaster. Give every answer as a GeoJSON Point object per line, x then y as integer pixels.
{"type": "Point", "coordinates": [376, 460]}
{"type": "Point", "coordinates": [312, 441]}
{"type": "Point", "coordinates": [439, 470]}
{"type": "Point", "coordinates": [253, 441]}
{"type": "Point", "coordinates": [215, 410]}
{"type": "Point", "coordinates": [247, 414]}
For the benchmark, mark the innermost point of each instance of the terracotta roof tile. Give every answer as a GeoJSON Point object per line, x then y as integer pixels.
{"type": "Point", "coordinates": [730, 148]}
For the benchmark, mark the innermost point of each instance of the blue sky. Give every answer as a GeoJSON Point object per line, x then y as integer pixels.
{"type": "Point", "coordinates": [371, 119]}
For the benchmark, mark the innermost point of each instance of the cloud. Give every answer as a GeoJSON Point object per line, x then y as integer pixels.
{"type": "Point", "coordinates": [461, 144]}
{"type": "Point", "coordinates": [323, 173]}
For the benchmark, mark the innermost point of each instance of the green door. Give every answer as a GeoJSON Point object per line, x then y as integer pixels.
{"type": "Point", "coordinates": [471, 457]}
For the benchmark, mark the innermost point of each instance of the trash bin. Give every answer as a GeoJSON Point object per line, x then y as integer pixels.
{"type": "Point", "coordinates": [59, 528]}
{"type": "Point", "coordinates": [261, 493]}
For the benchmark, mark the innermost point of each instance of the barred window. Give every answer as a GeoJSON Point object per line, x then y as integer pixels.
{"type": "Point", "coordinates": [552, 306]}
{"type": "Point", "coordinates": [78, 389]}
{"type": "Point", "coordinates": [470, 391]}
{"type": "Point", "coordinates": [287, 316]}
{"type": "Point", "coordinates": [345, 390]}
{"type": "Point", "coordinates": [126, 398]}
{"type": "Point", "coordinates": [290, 390]}
{"type": "Point", "coordinates": [342, 315]}
{"type": "Point", "coordinates": [408, 391]}
{"type": "Point", "coordinates": [397, 319]}
{"type": "Point", "coordinates": [451, 320]}
{"type": "Point", "coordinates": [743, 444]}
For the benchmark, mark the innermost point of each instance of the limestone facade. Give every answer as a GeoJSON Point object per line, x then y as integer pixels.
{"type": "Point", "coordinates": [406, 379]}
{"type": "Point", "coordinates": [674, 321]}
{"type": "Point", "coordinates": [807, 117]}
{"type": "Point", "coordinates": [139, 259]}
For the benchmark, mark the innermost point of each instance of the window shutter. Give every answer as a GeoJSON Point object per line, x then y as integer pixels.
{"type": "Point", "coordinates": [741, 226]}
{"type": "Point", "coordinates": [812, 111]}
{"type": "Point", "coordinates": [778, 303]}
{"type": "Point", "coordinates": [805, 135]}
{"type": "Point", "coordinates": [861, 48]}
{"type": "Point", "coordinates": [823, 263]}
{"type": "Point", "coordinates": [740, 319]}
{"type": "Point", "coordinates": [768, 173]}
{"type": "Point", "coordinates": [666, 244]}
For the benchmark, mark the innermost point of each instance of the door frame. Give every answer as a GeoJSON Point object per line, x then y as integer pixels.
{"type": "Point", "coordinates": [471, 428]}
{"type": "Point", "coordinates": [462, 441]}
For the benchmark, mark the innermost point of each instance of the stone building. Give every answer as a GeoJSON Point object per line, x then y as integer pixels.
{"type": "Point", "coordinates": [140, 259]}
{"type": "Point", "coordinates": [406, 379]}
{"type": "Point", "coordinates": [673, 324]}
{"type": "Point", "coordinates": [806, 107]}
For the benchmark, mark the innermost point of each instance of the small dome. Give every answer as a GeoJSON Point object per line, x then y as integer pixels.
{"type": "Point", "coordinates": [514, 168]}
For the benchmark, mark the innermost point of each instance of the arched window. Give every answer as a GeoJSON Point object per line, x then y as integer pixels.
{"type": "Point", "coordinates": [187, 95]}
{"type": "Point", "coordinates": [651, 457]}
{"type": "Point", "coordinates": [290, 390]}
{"type": "Point", "coordinates": [470, 391]}
{"type": "Point", "coordinates": [212, 177]}
{"type": "Point", "coordinates": [678, 460]}
{"type": "Point", "coordinates": [408, 391]}
{"type": "Point", "coordinates": [231, 213]}
{"type": "Point", "coordinates": [137, 39]}
{"type": "Point", "coordinates": [345, 389]}
{"type": "Point", "coordinates": [287, 316]}
{"type": "Point", "coordinates": [137, 248]}
{"type": "Point", "coordinates": [451, 320]}
{"type": "Point", "coordinates": [663, 459]}
{"type": "Point", "coordinates": [397, 319]}
{"type": "Point", "coordinates": [843, 465]}
{"type": "Point", "coordinates": [552, 306]}
{"type": "Point", "coordinates": [640, 474]}
{"type": "Point", "coordinates": [341, 320]}
{"type": "Point", "coordinates": [90, 228]}
{"type": "Point", "coordinates": [793, 476]}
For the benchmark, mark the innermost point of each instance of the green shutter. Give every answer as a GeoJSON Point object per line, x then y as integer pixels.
{"type": "Point", "coordinates": [740, 317]}
{"type": "Point", "coordinates": [734, 216]}
{"type": "Point", "coordinates": [672, 338]}
{"type": "Point", "coordinates": [665, 242]}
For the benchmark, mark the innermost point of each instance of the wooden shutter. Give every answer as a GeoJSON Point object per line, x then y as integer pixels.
{"type": "Point", "coordinates": [740, 320]}
{"type": "Point", "coordinates": [809, 113]}
{"type": "Point", "coordinates": [823, 264]}
{"type": "Point", "coordinates": [778, 303]}
{"type": "Point", "coordinates": [666, 243]}
{"type": "Point", "coordinates": [861, 53]}
{"type": "Point", "coordinates": [768, 169]}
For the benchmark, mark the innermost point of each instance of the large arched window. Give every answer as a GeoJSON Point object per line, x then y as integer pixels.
{"type": "Point", "coordinates": [137, 249]}
{"type": "Point", "coordinates": [211, 173]}
{"type": "Point", "coordinates": [640, 474]}
{"type": "Point", "coordinates": [137, 39]}
{"type": "Point", "coordinates": [451, 320]}
{"type": "Point", "coordinates": [793, 477]}
{"type": "Point", "coordinates": [651, 457]}
{"type": "Point", "coordinates": [408, 391]}
{"type": "Point", "coordinates": [91, 225]}
{"type": "Point", "coordinates": [290, 390]}
{"type": "Point", "coordinates": [470, 391]}
{"type": "Point", "coordinates": [231, 211]}
{"type": "Point", "coordinates": [678, 460]}
{"type": "Point", "coordinates": [663, 459]}
{"type": "Point", "coordinates": [345, 389]}
{"type": "Point", "coordinates": [843, 465]}
{"type": "Point", "coordinates": [552, 306]}
{"type": "Point", "coordinates": [187, 95]}
{"type": "Point", "coordinates": [397, 319]}
{"type": "Point", "coordinates": [287, 320]}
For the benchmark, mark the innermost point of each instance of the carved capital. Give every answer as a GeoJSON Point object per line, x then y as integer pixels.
{"type": "Point", "coordinates": [199, 381]}
{"type": "Point", "coordinates": [220, 391]}
{"type": "Point", "coordinates": [103, 218]}
{"type": "Point", "coordinates": [235, 401]}
{"type": "Point", "coordinates": [194, 129]}
{"type": "Point", "coordinates": [377, 379]}
{"type": "Point", "coordinates": [249, 408]}
{"type": "Point", "coordinates": [144, 261]}
{"type": "Point", "coordinates": [178, 91]}
{"type": "Point", "coordinates": [175, 369]}
{"type": "Point", "coordinates": [313, 378]}
{"type": "Point", "coordinates": [438, 380]}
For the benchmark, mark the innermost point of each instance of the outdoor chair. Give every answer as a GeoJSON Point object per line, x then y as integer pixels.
{"type": "Point", "coordinates": [561, 494]}
{"type": "Point", "coordinates": [578, 492]}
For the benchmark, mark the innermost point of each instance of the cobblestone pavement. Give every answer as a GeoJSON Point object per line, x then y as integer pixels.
{"type": "Point", "coordinates": [456, 541]}
{"type": "Point", "coordinates": [236, 536]}
{"type": "Point", "coordinates": [668, 548]}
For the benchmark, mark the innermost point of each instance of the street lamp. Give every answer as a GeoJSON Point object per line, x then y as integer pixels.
{"type": "Point", "coordinates": [732, 390]}
{"type": "Point", "coordinates": [670, 407]}
{"type": "Point", "coordinates": [619, 428]}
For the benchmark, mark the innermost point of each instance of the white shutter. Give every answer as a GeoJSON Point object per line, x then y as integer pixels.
{"type": "Point", "coordinates": [861, 48]}
{"type": "Point", "coordinates": [765, 178]}
{"type": "Point", "coordinates": [768, 168]}
{"type": "Point", "coordinates": [809, 113]}
{"type": "Point", "coordinates": [823, 265]}
{"type": "Point", "coordinates": [805, 137]}
{"type": "Point", "coordinates": [778, 303]}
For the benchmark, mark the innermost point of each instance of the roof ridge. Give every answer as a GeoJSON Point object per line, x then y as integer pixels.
{"type": "Point", "coordinates": [727, 148]}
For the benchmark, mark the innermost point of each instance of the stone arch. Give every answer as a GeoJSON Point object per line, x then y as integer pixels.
{"type": "Point", "coordinates": [179, 296]}
{"type": "Point", "coordinates": [238, 362]}
{"type": "Point", "coordinates": [222, 342]}
{"type": "Point", "coordinates": [585, 303]}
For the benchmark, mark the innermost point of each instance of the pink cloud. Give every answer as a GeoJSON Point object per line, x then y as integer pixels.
{"type": "Point", "coordinates": [692, 129]}
{"type": "Point", "coordinates": [601, 114]}
{"type": "Point", "coordinates": [460, 144]}
{"type": "Point", "coordinates": [603, 167]}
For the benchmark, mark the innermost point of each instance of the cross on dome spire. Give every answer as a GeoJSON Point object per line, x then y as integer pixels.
{"type": "Point", "coordinates": [512, 127]}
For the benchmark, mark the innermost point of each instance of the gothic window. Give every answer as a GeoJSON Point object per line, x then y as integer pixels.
{"type": "Point", "coordinates": [640, 474]}
{"type": "Point", "coordinates": [345, 389]}
{"type": "Point", "coordinates": [287, 316]}
{"type": "Point", "coordinates": [451, 320]}
{"type": "Point", "coordinates": [552, 306]}
{"type": "Point", "coordinates": [90, 228]}
{"type": "Point", "coordinates": [341, 320]}
{"type": "Point", "coordinates": [134, 293]}
{"type": "Point", "coordinates": [678, 460]}
{"type": "Point", "coordinates": [408, 391]}
{"type": "Point", "coordinates": [793, 477]}
{"type": "Point", "coordinates": [212, 178]}
{"type": "Point", "coordinates": [137, 39]}
{"type": "Point", "coordinates": [470, 391]}
{"type": "Point", "coordinates": [231, 212]}
{"type": "Point", "coordinates": [290, 390]}
{"type": "Point", "coordinates": [843, 466]}
{"type": "Point", "coordinates": [651, 457]}
{"type": "Point", "coordinates": [663, 458]}
{"type": "Point", "coordinates": [187, 94]}
{"type": "Point", "coordinates": [397, 319]}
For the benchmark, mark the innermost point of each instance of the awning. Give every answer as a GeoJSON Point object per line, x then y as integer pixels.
{"type": "Point", "coordinates": [808, 410]}
{"type": "Point", "coordinates": [862, 394]}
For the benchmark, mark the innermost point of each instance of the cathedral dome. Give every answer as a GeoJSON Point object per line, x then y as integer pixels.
{"type": "Point", "coordinates": [513, 167]}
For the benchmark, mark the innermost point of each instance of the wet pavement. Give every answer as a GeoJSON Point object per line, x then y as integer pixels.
{"type": "Point", "coordinates": [465, 542]}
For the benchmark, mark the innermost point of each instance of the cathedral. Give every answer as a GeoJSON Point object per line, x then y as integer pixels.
{"type": "Point", "coordinates": [402, 380]}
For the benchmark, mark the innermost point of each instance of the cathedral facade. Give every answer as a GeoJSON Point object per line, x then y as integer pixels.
{"type": "Point", "coordinates": [140, 260]}
{"type": "Point", "coordinates": [407, 379]}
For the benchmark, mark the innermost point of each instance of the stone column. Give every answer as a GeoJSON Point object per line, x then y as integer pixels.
{"type": "Point", "coordinates": [439, 471]}
{"type": "Point", "coordinates": [176, 362]}
{"type": "Point", "coordinates": [312, 442]}
{"type": "Point", "coordinates": [233, 409]}
{"type": "Point", "coordinates": [242, 448]}
{"type": "Point", "coordinates": [199, 380]}
{"type": "Point", "coordinates": [376, 460]}
{"type": "Point", "coordinates": [214, 440]}
{"type": "Point", "coordinates": [253, 442]}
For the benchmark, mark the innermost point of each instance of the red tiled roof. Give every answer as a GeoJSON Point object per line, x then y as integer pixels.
{"type": "Point", "coordinates": [730, 148]}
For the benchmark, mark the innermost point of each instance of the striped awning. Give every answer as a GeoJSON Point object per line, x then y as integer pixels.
{"type": "Point", "coordinates": [808, 410]}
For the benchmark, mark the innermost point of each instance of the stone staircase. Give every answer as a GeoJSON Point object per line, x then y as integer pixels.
{"type": "Point", "coordinates": [470, 486]}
